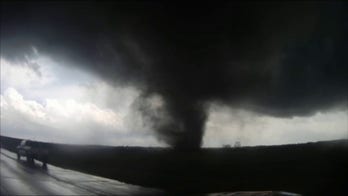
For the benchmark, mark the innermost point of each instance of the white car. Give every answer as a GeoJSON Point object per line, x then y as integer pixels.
{"type": "Point", "coordinates": [32, 150]}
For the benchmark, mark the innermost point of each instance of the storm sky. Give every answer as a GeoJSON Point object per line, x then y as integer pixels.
{"type": "Point", "coordinates": [150, 73]}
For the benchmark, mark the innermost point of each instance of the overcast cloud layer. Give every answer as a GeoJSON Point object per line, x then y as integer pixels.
{"type": "Point", "coordinates": [281, 60]}
{"type": "Point", "coordinates": [78, 108]}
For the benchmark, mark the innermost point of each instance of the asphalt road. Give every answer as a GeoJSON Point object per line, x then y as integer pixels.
{"type": "Point", "coordinates": [20, 178]}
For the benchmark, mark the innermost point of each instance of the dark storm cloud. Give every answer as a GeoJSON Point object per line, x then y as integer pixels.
{"type": "Point", "coordinates": [277, 59]}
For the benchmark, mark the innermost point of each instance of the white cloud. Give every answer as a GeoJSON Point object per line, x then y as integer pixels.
{"type": "Point", "coordinates": [66, 121]}
{"type": "Point", "coordinates": [79, 112]}
{"type": "Point", "coordinates": [14, 101]}
{"type": "Point", "coordinates": [47, 79]}
{"type": "Point", "coordinates": [43, 99]}
{"type": "Point", "coordinates": [21, 75]}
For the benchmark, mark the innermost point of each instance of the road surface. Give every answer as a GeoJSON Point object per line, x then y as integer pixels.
{"type": "Point", "coordinates": [19, 178]}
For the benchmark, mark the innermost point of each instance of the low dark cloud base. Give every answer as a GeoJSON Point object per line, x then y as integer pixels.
{"type": "Point", "coordinates": [280, 59]}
